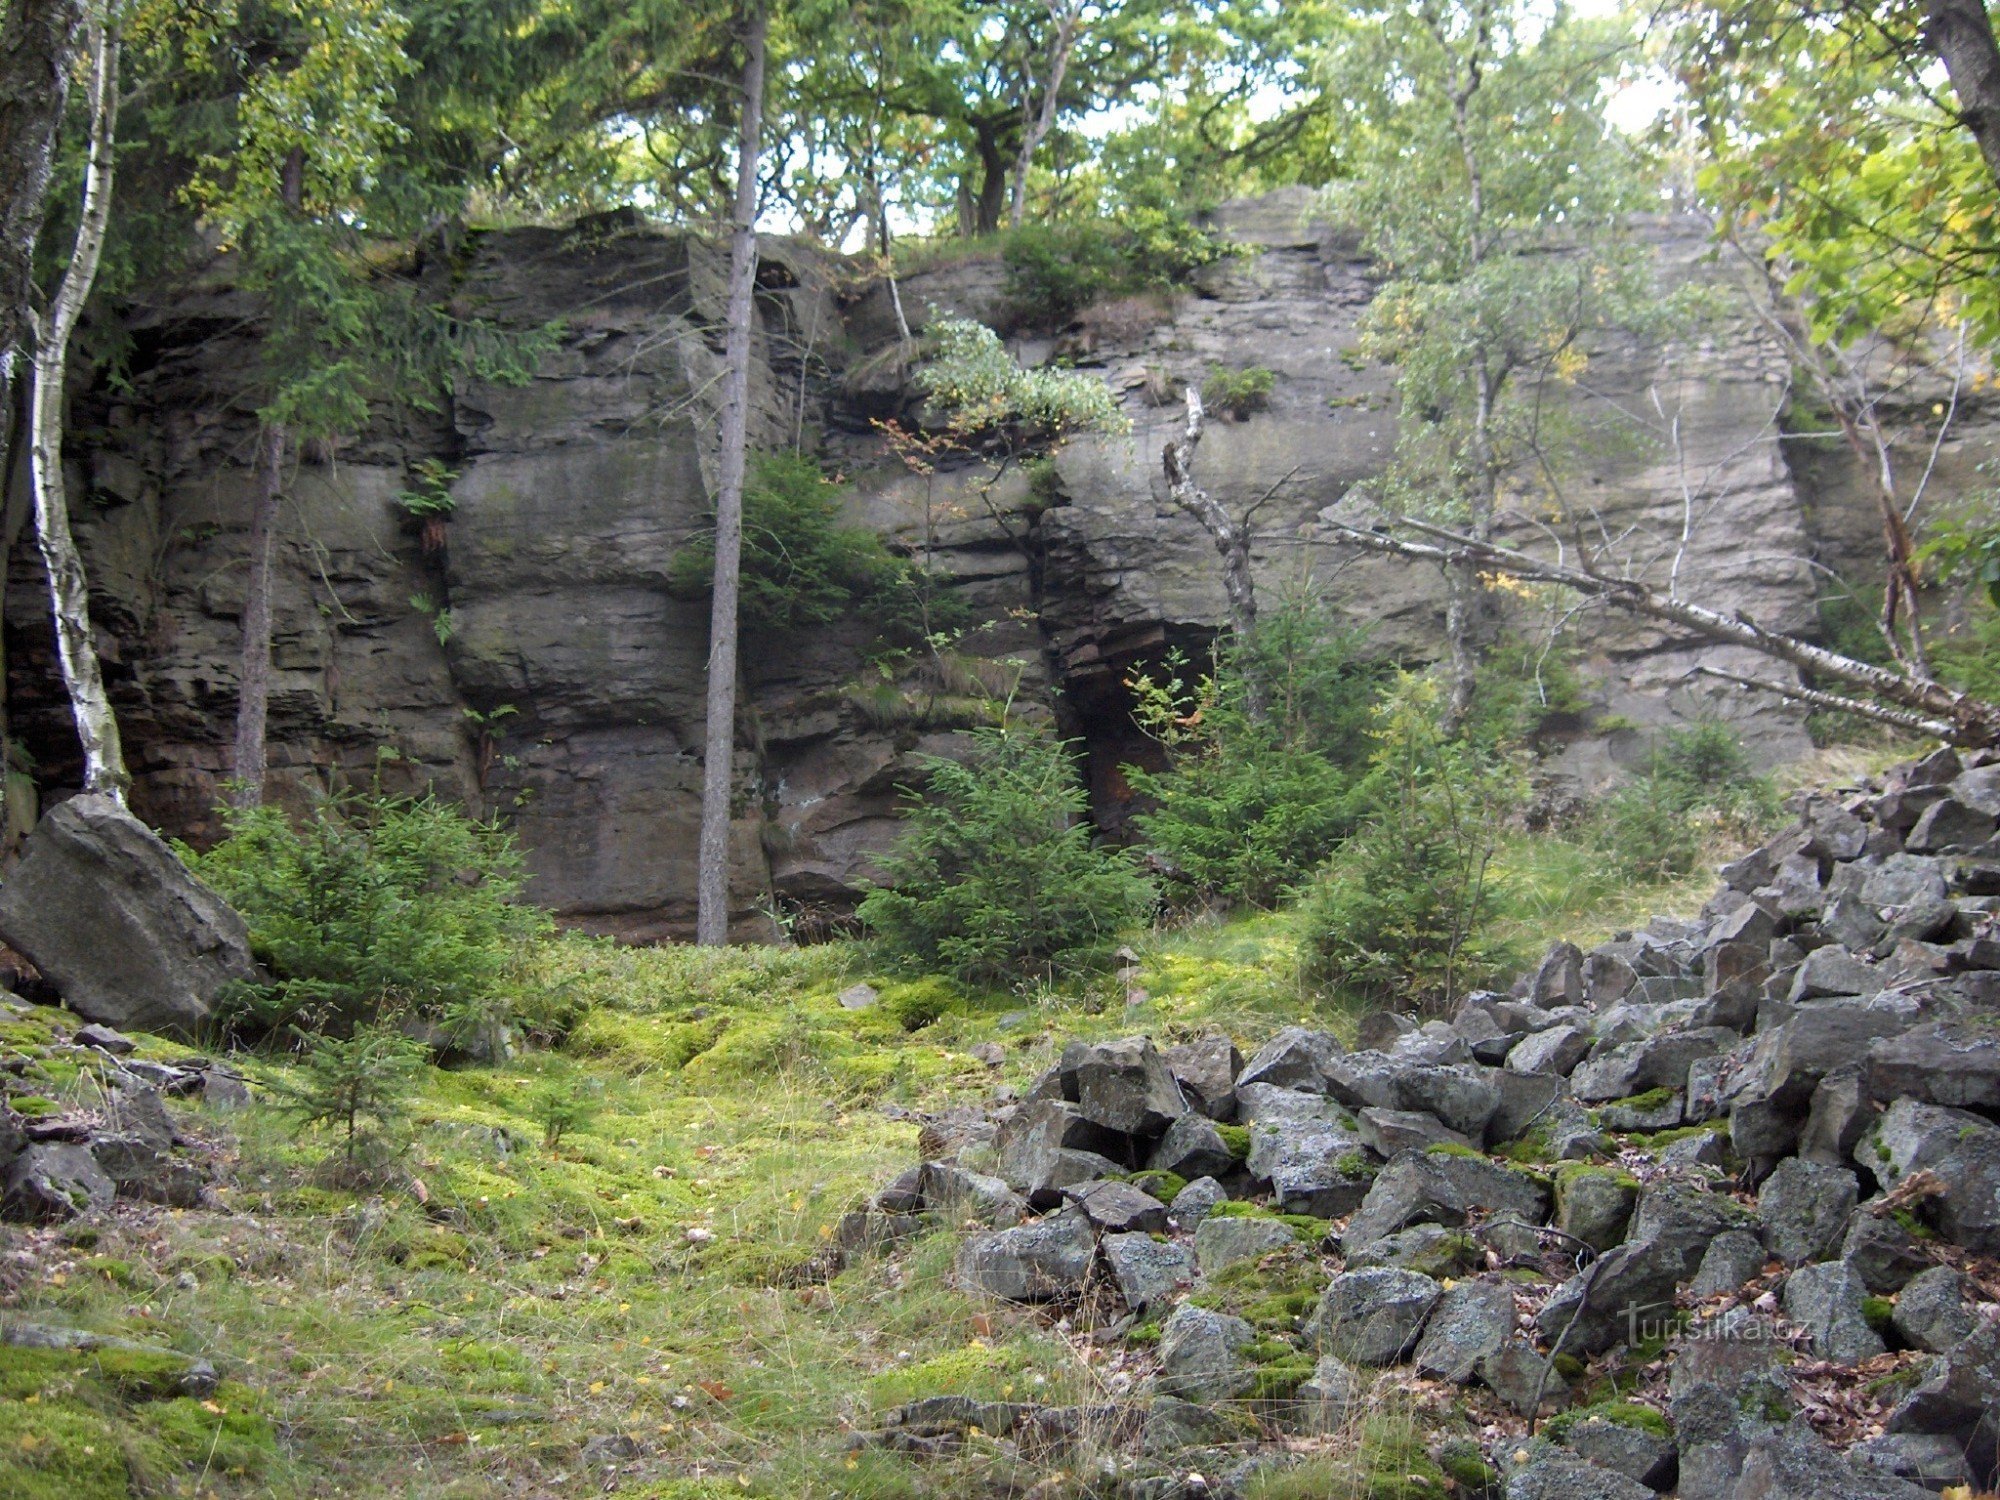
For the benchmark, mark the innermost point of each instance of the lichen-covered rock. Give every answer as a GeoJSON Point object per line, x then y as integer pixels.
{"type": "Point", "coordinates": [1794, 1463]}
{"type": "Point", "coordinates": [1959, 1398]}
{"type": "Point", "coordinates": [1038, 1262]}
{"type": "Point", "coordinates": [1149, 1272]}
{"type": "Point", "coordinates": [1805, 1208]}
{"type": "Point", "coordinates": [1388, 1131]}
{"type": "Point", "coordinates": [1472, 1320]}
{"type": "Point", "coordinates": [1206, 1070]}
{"type": "Point", "coordinates": [1314, 1168]}
{"type": "Point", "coordinates": [1962, 1152]}
{"type": "Point", "coordinates": [1828, 1301]}
{"type": "Point", "coordinates": [1883, 1253]}
{"type": "Point", "coordinates": [1624, 1295]}
{"type": "Point", "coordinates": [1374, 1317]}
{"type": "Point", "coordinates": [1201, 1355]}
{"type": "Point", "coordinates": [1117, 1207]}
{"type": "Point", "coordinates": [1195, 1202]}
{"type": "Point", "coordinates": [1441, 1187]}
{"type": "Point", "coordinates": [1552, 1474]}
{"type": "Point", "coordinates": [1930, 1311]}
{"type": "Point", "coordinates": [56, 1181]}
{"type": "Point", "coordinates": [1047, 1146]}
{"type": "Point", "coordinates": [1331, 1396]}
{"type": "Point", "coordinates": [1594, 1204]}
{"type": "Point", "coordinates": [1955, 1064]}
{"type": "Point", "coordinates": [1296, 1058]}
{"type": "Point", "coordinates": [1731, 1259]}
{"type": "Point", "coordinates": [1223, 1240]}
{"type": "Point", "coordinates": [1192, 1147]}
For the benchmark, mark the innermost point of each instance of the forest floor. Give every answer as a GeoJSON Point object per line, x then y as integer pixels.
{"type": "Point", "coordinates": [620, 1308]}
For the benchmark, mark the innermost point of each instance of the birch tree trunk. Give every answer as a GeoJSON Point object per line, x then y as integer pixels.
{"type": "Point", "coordinates": [96, 727]}
{"type": "Point", "coordinates": [1232, 544]}
{"type": "Point", "coordinates": [37, 43]}
{"type": "Point", "coordinates": [718, 755]}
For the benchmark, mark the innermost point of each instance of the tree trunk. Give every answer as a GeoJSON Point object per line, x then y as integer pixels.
{"type": "Point", "coordinates": [96, 727]}
{"type": "Point", "coordinates": [1232, 544]}
{"type": "Point", "coordinates": [253, 675]}
{"type": "Point", "coordinates": [1036, 124]}
{"type": "Point", "coordinates": [991, 199]}
{"type": "Point", "coordinates": [718, 755]}
{"type": "Point", "coordinates": [1961, 33]}
{"type": "Point", "coordinates": [37, 41]}
{"type": "Point", "coordinates": [1464, 596]}
{"type": "Point", "coordinates": [253, 690]}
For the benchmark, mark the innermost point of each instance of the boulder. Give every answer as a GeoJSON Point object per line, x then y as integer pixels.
{"type": "Point", "coordinates": [1295, 1058]}
{"type": "Point", "coordinates": [1441, 1187]}
{"type": "Point", "coordinates": [1624, 1447]}
{"type": "Point", "coordinates": [1661, 1109]}
{"type": "Point", "coordinates": [1960, 1150]}
{"type": "Point", "coordinates": [1124, 1086]}
{"type": "Point", "coordinates": [1374, 1317]}
{"type": "Point", "coordinates": [1732, 1258]}
{"type": "Point", "coordinates": [962, 1195]}
{"type": "Point", "coordinates": [1206, 1070]}
{"type": "Point", "coordinates": [1149, 1272]}
{"type": "Point", "coordinates": [1959, 1398]}
{"type": "Point", "coordinates": [1930, 1312]}
{"type": "Point", "coordinates": [1552, 1474]}
{"type": "Point", "coordinates": [1805, 1208]}
{"type": "Point", "coordinates": [1388, 1131]}
{"type": "Point", "coordinates": [118, 925]}
{"type": "Point", "coordinates": [141, 1167]}
{"type": "Point", "coordinates": [1558, 979]}
{"type": "Point", "coordinates": [1201, 1355]}
{"type": "Point", "coordinates": [1268, 1104]}
{"type": "Point", "coordinates": [1039, 1262]}
{"type": "Point", "coordinates": [1334, 1393]}
{"type": "Point", "coordinates": [1682, 1218]}
{"type": "Point", "coordinates": [1192, 1147]}
{"type": "Point", "coordinates": [1225, 1240]}
{"type": "Point", "coordinates": [1594, 1204]}
{"type": "Point", "coordinates": [1883, 1253]}
{"type": "Point", "coordinates": [1793, 1463]}
{"type": "Point", "coordinates": [1118, 1207]}
{"type": "Point", "coordinates": [1832, 970]}
{"type": "Point", "coordinates": [1557, 1050]}
{"type": "Point", "coordinates": [1195, 1202]}
{"type": "Point", "coordinates": [1658, 1062]}
{"type": "Point", "coordinates": [1522, 1378]}
{"type": "Point", "coordinates": [1313, 1169]}
{"type": "Point", "coordinates": [1956, 1064]}
{"type": "Point", "coordinates": [1626, 1294]}
{"type": "Point", "coordinates": [1047, 1145]}
{"type": "Point", "coordinates": [1948, 826]}
{"type": "Point", "coordinates": [54, 1181]}
{"type": "Point", "coordinates": [1935, 1463]}
{"type": "Point", "coordinates": [1472, 1320]}
{"type": "Point", "coordinates": [1827, 1301]}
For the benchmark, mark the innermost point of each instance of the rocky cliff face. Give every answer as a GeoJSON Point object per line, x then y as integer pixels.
{"type": "Point", "coordinates": [537, 665]}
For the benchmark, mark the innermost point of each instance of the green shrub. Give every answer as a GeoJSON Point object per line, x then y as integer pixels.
{"type": "Point", "coordinates": [1238, 393]}
{"type": "Point", "coordinates": [801, 566]}
{"type": "Point", "coordinates": [1401, 914]}
{"type": "Point", "coordinates": [994, 875]}
{"type": "Point", "coordinates": [376, 906]}
{"type": "Point", "coordinates": [1054, 271]}
{"type": "Point", "coordinates": [1697, 783]}
{"type": "Point", "coordinates": [1247, 809]}
{"type": "Point", "coordinates": [976, 387]}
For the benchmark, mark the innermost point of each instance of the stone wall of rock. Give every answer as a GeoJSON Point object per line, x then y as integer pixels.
{"type": "Point", "coordinates": [1711, 1209]}
{"type": "Point", "coordinates": [536, 664]}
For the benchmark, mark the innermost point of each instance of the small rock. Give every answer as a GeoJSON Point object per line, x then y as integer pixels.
{"type": "Point", "coordinates": [858, 997]}
{"type": "Point", "coordinates": [1031, 1262]}
{"type": "Point", "coordinates": [1331, 1396]}
{"type": "Point", "coordinates": [1200, 1358]}
{"type": "Point", "coordinates": [1936, 1463]}
{"type": "Point", "coordinates": [1595, 1204]}
{"type": "Point", "coordinates": [1552, 1474]}
{"type": "Point", "coordinates": [1732, 1258]}
{"type": "Point", "coordinates": [105, 1040]}
{"type": "Point", "coordinates": [1195, 1202]}
{"type": "Point", "coordinates": [1883, 1253]}
{"type": "Point", "coordinates": [1192, 1147]}
{"type": "Point", "coordinates": [1224, 1241]}
{"type": "Point", "coordinates": [54, 1182]}
{"type": "Point", "coordinates": [1805, 1208]}
{"type": "Point", "coordinates": [1149, 1272]}
{"type": "Point", "coordinates": [1118, 1207]}
{"type": "Point", "coordinates": [1471, 1321]}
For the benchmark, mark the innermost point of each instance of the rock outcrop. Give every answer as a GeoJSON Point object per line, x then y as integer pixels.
{"type": "Point", "coordinates": [528, 657]}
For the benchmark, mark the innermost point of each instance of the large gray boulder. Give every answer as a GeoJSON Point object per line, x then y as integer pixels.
{"type": "Point", "coordinates": [1828, 1301]}
{"type": "Point", "coordinates": [1201, 1355]}
{"type": "Point", "coordinates": [1805, 1207]}
{"type": "Point", "coordinates": [1123, 1086]}
{"type": "Point", "coordinates": [1472, 1321]}
{"type": "Point", "coordinates": [1374, 1317]}
{"type": "Point", "coordinates": [1037, 1262]}
{"type": "Point", "coordinates": [1442, 1187]}
{"type": "Point", "coordinates": [56, 1181]}
{"type": "Point", "coordinates": [1930, 1311]}
{"type": "Point", "coordinates": [1962, 1152]}
{"type": "Point", "coordinates": [1959, 1398]}
{"type": "Point", "coordinates": [116, 923]}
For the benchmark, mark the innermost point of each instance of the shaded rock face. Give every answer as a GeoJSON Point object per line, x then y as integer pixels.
{"type": "Point", "coordinates": [550, 674]}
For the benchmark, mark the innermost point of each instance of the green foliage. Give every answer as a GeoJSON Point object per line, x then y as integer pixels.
{"type": "Point", "coordinates": [429, 493]}
{"type": "Point", "coordinates": [977, 386]}
{"type": "Point", "coordinates": [1054, 271]}
{"type": "Point", "coordinates": [1696, 785]}
{"type": "Point", "coordinates": [1239, 392]}
{"type": "Point", "coordinates": [361, 1084]}
{"type": "Point", "coordinates": [1247, 809]}
{"type": "Point", "coordinates": [801, 566]}
{"type": "Point", "coordinates": [994, 877]}
{"type": "Point", "coordinates": [376, 906]}
{"type": "Point", "coordinates": [564, 1102]}
{"type": "Point", "coordinates": [1401, 914]}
